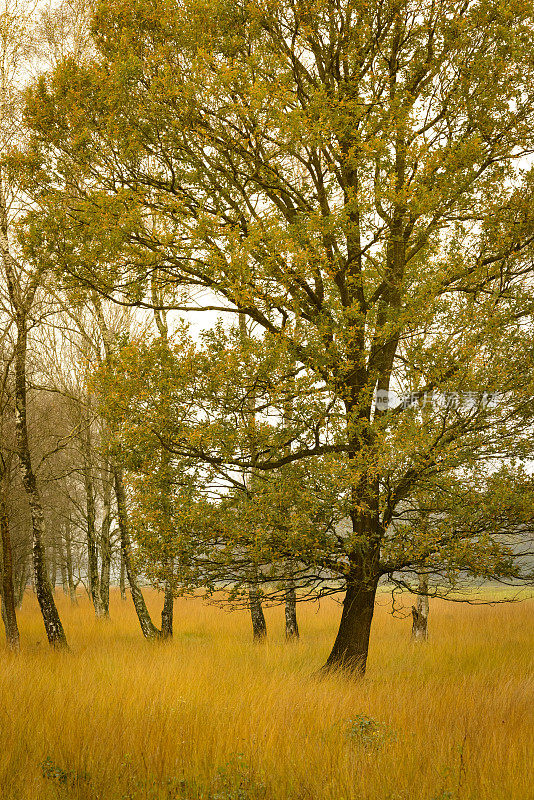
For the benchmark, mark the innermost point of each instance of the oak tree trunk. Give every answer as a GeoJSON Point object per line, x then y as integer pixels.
{"type": "Point", "coordinates": [420, 612]}
{"type": "Point", "coordinates": [167, 612]}
{"type": "Point", "coordinates": [292, 628]}
{"type": "Point", "coordinates": [351, 646]}
{"type": "Point", "coordinates": [352, 641]}
{"type": "Point", "coordinates": [259, 627]}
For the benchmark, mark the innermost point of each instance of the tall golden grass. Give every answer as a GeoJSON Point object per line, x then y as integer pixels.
{"type": "Point", "coordinates": [211, 715]}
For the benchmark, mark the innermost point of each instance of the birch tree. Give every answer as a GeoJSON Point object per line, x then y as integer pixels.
{"type": "Point", "coordinates": [23, 284]}
{"type": "Point", "coordinates": [9, 614]}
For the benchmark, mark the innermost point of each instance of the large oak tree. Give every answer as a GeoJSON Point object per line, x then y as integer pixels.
{"type": "Point", "coordinates": [349, 176]}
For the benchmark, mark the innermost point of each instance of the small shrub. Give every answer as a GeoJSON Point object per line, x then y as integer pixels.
{"type": "Point", "coordinates": [61, 778]}
{"type": "Point", "coordinates": [235, 780]}
{"type": "Point", "coordinates": [52, 772]}
{"type": "Point", "coordinates": [368, 732]}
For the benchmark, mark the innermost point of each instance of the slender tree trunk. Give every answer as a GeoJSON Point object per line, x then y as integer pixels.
{"type": "Point", "coordinates": [259, 626]}
{"type": "Point", "coordinates": [122, 579]}
{"type": "Point", "coordinates": [8, 594]}
{"type": "Point", "coordinates": [150, 631]}
{"type": "Point", "coordinates": [92, 552]}
{"type": "Point", "coordinates": [420, 612]}
{"type": "Point", "coordinates": [105, 548]}
{"type": "Point", "coordinates": [147, 626]}
{"type": "Point", "coordinates": [21, 587]}
{"type": "Point", "coordinates": [63, 566]}
{"type": "Point", "coordinates": [167, 612]}
{"type": "Point", "coordinates": [45, 597]}
{"type": "Point", "coordinates": [22, 581]}
{"type": "Point", "coordinates": [53, 565]}
{"type": "Point", "coordinates": [292, 628]}
{"type": "Point", "coordinates": [21, 302]}
{"type": "Point", "coordinates": [68, 564]}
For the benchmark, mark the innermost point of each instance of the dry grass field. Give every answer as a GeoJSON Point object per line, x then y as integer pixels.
{"type": "Point", "coordinates": [211, 716]}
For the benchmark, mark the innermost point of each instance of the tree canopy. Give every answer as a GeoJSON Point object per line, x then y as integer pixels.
{"type": "Point", "coordinates": [353, 179]}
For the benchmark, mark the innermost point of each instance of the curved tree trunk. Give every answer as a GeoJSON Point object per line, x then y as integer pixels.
{"type": "Point", "coordinates": [45, 597]}
{"type": "Point", "coordinates": [147, 626]}
{"type": "Point", "coordinates": [292, 628]}
{"type": "Point", "coordinates": [150, 631]}
{"type": "Point", "coordinates": [8, 594]}
{"type": "Point", "coordinates": [351, 646]}
{"type": "Point", "coordinates": [352, 641]}
{"type": "Point", "coordinates": [21, 301]}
